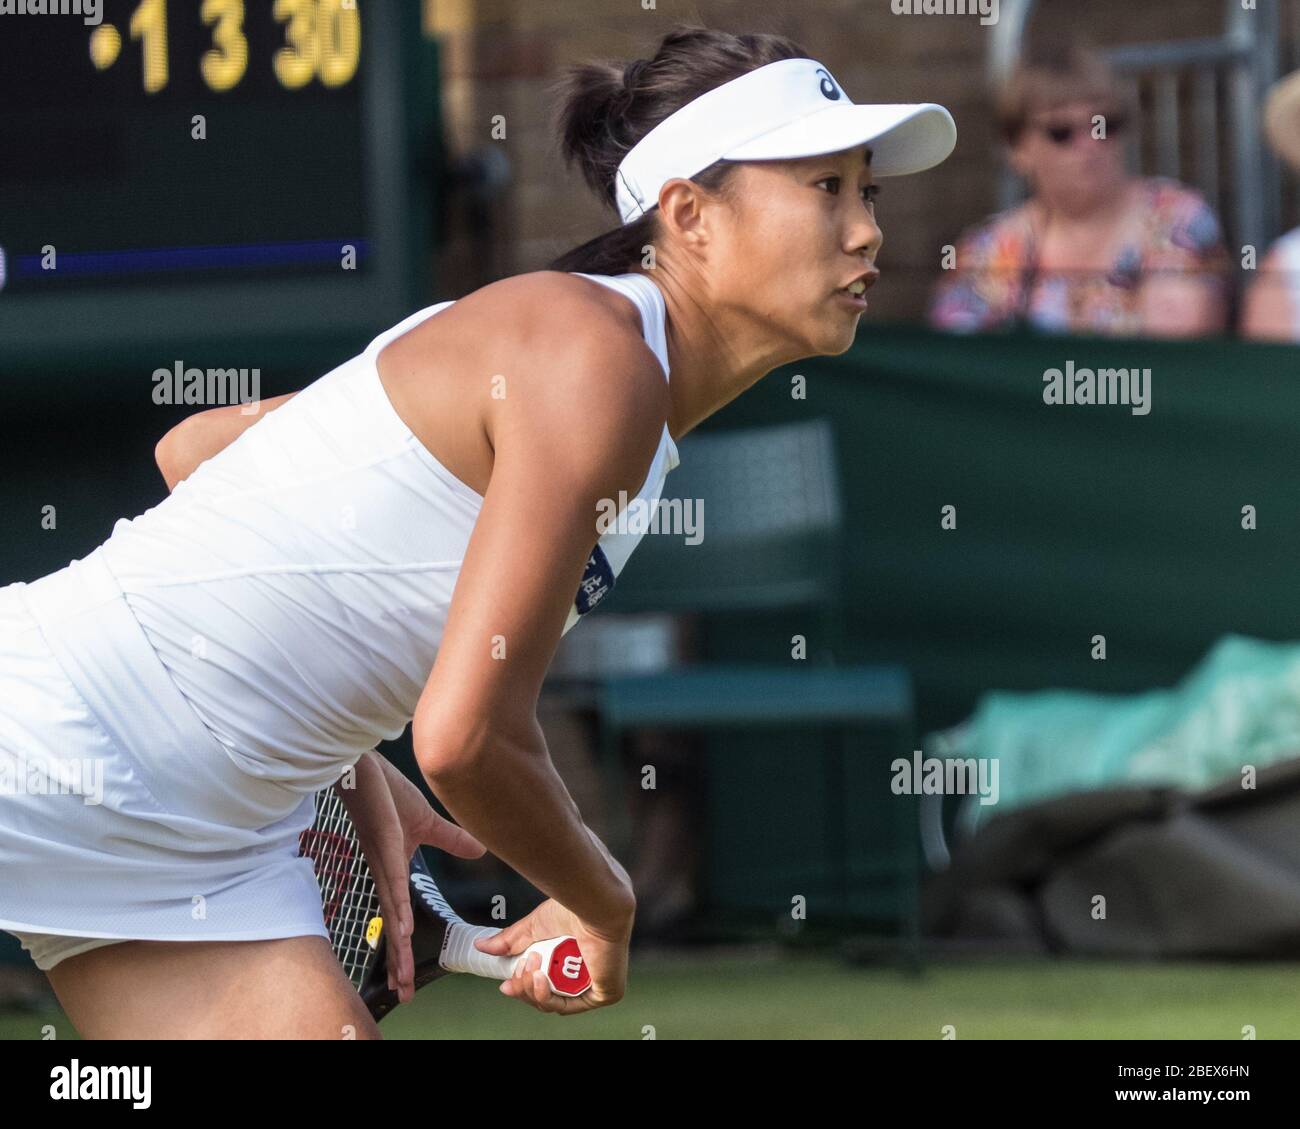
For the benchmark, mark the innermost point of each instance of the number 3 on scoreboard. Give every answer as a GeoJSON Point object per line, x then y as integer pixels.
{"type": "Point", "coordinates": [224, 66]}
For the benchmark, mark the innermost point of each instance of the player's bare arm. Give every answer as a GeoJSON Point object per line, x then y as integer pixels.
{"type": "Point", "coordinates": [476, 733]}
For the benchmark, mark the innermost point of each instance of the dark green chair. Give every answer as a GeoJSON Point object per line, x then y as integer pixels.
{"type": "Point", "coordinates": [772, 545]}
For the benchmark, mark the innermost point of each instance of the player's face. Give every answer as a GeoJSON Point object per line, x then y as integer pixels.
{"type": "Point", "coordinates": [797, 233]}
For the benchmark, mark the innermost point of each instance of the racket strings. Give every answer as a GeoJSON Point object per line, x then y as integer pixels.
{"type": "Point", "coordinates": [349, 900]}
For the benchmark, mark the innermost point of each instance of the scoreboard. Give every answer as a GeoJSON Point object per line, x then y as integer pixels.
{"type": "Point", "coordinates": [215, 170]}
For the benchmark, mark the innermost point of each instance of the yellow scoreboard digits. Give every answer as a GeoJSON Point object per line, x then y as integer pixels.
{"type": "Point", "coordinates": [340, 40]}
{"type": "Point", "coordinates": [225, 64]}
{"type": "Point", "coordinates": [322, 40]}
{"type": "Point", "coordinates": [295, 64]}
{"type": "Point", "coordinates": [149, 23]}
{"type": "Point", "coordinates": [303, 150]}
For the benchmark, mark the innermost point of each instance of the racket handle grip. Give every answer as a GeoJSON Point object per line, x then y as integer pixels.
{"type": "Point", "coordinates": [561, 959]}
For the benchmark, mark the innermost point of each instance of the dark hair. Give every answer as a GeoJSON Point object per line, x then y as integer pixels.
{"type": "Point", "coordinates": [607, 107]}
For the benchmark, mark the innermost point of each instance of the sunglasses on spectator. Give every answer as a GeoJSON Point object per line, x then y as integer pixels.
{"type": "Point", "coordinates": [1063, 133]}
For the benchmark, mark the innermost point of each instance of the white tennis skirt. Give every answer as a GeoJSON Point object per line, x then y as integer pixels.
{"type": "Point", "coordinates": [121, 816]}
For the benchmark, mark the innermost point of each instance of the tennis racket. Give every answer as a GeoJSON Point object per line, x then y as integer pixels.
{"type": "Point", "coordinates": [441, 943]}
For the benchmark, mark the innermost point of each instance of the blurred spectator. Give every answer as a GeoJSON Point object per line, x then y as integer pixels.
{"type": "Point", "coordinates": [1093, 249]}
{"type": "Point", "coordinates": [1272, 308]}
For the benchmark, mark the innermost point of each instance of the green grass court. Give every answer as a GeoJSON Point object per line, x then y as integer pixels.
{"type": "Point", "coordinates": [767, 995]}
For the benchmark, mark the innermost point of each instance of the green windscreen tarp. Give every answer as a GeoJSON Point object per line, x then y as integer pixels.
{"type": "Point", "coordinates": [1072, 521]}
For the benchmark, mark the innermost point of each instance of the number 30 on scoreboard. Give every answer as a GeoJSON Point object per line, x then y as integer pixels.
{"type": "Point", "coordinates": [322, 40]}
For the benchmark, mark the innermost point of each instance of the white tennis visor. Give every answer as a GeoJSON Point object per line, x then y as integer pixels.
{"type": "Point", "coordinates": [784, 110]}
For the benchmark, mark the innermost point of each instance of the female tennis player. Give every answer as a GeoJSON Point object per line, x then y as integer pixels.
{"type": "Point", "coordinates": [405, 541]}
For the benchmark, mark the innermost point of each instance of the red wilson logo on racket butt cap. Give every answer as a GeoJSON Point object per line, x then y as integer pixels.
{"type": "Point", "coordinates": [567, 970]}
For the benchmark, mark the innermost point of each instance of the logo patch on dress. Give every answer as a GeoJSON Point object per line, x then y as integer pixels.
{"type": "Point", "coordinates": [597, 581]}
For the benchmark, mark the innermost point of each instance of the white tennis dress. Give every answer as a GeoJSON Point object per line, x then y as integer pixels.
{"type": "Point", "coordinates": [170, 703]}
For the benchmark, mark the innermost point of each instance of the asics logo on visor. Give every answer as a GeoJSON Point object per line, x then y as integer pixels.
{"type": "Point", "coordinates": [829, 89]}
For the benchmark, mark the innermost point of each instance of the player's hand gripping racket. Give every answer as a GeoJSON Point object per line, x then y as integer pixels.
{"type": "Point", "coordinates": [441, 943]}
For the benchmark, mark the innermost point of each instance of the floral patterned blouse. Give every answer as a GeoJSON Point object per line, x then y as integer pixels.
{"type": "Point", "coordinates": [995, 283]}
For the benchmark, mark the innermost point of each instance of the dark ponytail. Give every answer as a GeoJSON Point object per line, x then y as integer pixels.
{"type": "Point", "coordinates": [605, 108]}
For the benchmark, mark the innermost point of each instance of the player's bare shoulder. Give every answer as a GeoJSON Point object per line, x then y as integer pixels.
{"type": "Point", "coordinates": [552, 345]}
{"type": "Point", "coordinates": [531, 323]}
{"type": "Point", "coordinates": [576, 344]}
{"type": "Point", "coordinates": [564, 314]}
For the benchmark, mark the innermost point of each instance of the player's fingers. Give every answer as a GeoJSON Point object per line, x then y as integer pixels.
{"type": "Point", "coordinates": [390, 867]}
{"type": "Point", "coordinates": [447, 836]}
{"type": "Point", "coordinates": [526, 982]}
{"type": "Point", "coordinates": [401, 964]}
{"type": "Point", "coordinates": [510, 985]}
{"type": "Point", "coordinates": [399, 940]}
{"type": "Point", "coordinates": [547, 1001]}
{"type": "Point", "coordinates": [513, 985]}
{"type": "Point", "coordinates": [401, 960]}
{"type": "Point", "coordinates": [553, 1004]}
{"type": "Point", "coordinates": [513, 938]}
{"type": "Point", "coordinates": [378, 828]}
{"type": "Point", "coordinates": [567, 1005]}
{"type": "Point", "coordinates": [396, 934]}
{"type": "Point", "coordinates": [511, 988]}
